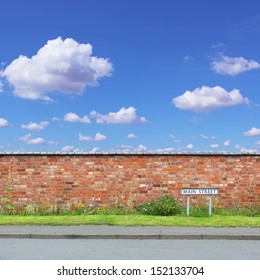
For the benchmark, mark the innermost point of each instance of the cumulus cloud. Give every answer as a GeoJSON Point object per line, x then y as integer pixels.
{"type": "Point", "coordinates": [248, 151]}
{"type": "Point", "coordinates": [72, 117]}
{"type": "Point", "coordinates": [70, 149]}
{"type": "Point", "coordinates": [252, 132]}
{"type": "Point", "coordinates": [227, 143]}
{"type": "Point", "coordinates": [131, 149]}
{"type": "Point", "coordinates": [3, 122]}
{"type": "Point", "coordinates": [214, 146]}
{"type": "Point", "coordinates": [35, 126]}
{"type": "Point", "coordinates": [67, 149]}
{"type": "Point", "coordinates": [206, 99]}
{"type": "Point", "coordinates": [36, 141]}
{"type": "Point", "coordinates": [123, 116]}
{"type": "Point", "coordinates": [95, 150]}
{"type": "Point", "coordinates": [63, 66]}
{"type": "Point", "coordinates": [189, 146]}
{"type": "Point", "coordinates": [233, 65]}
{"type": "Point", "coordinates": [25, 138]}
{"type": "Point", "coordinates": [98, 137]}
{"type": "Point", "coordinates": [131, 136]}
{"type": "Point", "coordinates": [187, 58]}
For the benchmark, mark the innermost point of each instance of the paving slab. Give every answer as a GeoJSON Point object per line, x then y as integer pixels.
{"type": "Point", "coordinates": [118, 232]}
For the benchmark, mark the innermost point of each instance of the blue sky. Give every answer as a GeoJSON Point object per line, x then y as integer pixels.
{"type": "Point", "coordinates": [130, 76]}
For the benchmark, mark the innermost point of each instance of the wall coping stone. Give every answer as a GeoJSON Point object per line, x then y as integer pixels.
{"type": "Point", "coordinates": [126, 154]}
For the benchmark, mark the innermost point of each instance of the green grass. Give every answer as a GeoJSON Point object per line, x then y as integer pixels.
{"type": "Point", "coordinates": [133, 220]}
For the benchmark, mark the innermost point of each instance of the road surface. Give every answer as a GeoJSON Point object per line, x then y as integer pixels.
{"type": "Point", "coordinates": [67, 249]}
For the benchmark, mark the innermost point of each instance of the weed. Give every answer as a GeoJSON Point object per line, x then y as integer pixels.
{"type": "Point", "coordinates": [164, 206]}
{"type": "Point", "coordinates": [6, 200]}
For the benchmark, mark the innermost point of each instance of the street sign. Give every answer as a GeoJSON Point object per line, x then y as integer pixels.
{"type": "Point", "coordinates": [199, 191]}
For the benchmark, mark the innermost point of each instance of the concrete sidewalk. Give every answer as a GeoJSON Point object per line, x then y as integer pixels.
{"type": "Point", "coordinates": [117, 232]}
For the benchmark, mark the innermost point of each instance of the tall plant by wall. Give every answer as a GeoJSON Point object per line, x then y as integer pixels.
{"type": "Point", "coordinates": [7, 191]}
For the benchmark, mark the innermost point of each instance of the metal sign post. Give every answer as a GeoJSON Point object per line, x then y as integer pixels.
{"type": "Point", "coordinates": [188, 205]}
{"type": "Point", "coordinates": [210, 204]}
{"type": "Point", "coordinates": [201, 191]}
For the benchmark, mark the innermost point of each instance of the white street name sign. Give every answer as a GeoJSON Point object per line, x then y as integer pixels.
{"type": "Point", "coordinates": [199, 191]}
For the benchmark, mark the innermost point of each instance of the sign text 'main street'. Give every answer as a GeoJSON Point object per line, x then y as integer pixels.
{"type": "Point", "coordinates": [199, 191]}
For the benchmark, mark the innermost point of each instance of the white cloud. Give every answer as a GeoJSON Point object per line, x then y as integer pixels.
{"type": "Point", "coordinates": [130, 149]}
{"type": "Point", "coordinates": [227, 143]}
{"type": "Point", "coordinates": [233, 65]}
{"type": "Point", "coordinates": [98, 137]}
{"type": "Point", "coordinates": [55, 119]}
{"type": "Point", "coordinates": [141, 148]}
{"type": "Point", "coordinates": [35, 126]}
{"type": "Point", "coordinates": [63, 66]}
{"type": "Point", "coordinates": [1, 86]}
{"type": "Point", "coordinates": [36, 141]}
{"type": "Point", "coordinates": [214, 146]}
{"type": "Point", "coordinates": [51, 142]}
{"type": "Point", "coordinates": [205, 99]}
{"type": "Point", "coordinates": [25, 138]}
{"type": "Point", "coordinates": [127, 116]}
{"type": "Point", "coordinates": [165, 150]}
{"type": "Point", "coordinates": [3, 122]}
{"type": "Point", "coordinates": [131, 136]}
{"type": "Point", "coordinates": [70, 149]}
{"type": "Point", "coordinates": [95, 150]}
{"type": "Point", "coordinates": [210, 138]}
{"type": "Point", "coordinates": [72, 117]}
{"type": "Point", "coordinates": [187, 58]}
{"type": "Point", "coordinates": [189, 146]}
{"type": "Point", "coordinates": [248, 151]}
{"type": "Point", "coordinates": [252, 132]}
{"type": "Point", "coordinates": [84, 138]}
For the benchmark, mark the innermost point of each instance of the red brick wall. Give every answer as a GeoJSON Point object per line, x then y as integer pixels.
{"type": "Point", "coordinates": [120, 179]}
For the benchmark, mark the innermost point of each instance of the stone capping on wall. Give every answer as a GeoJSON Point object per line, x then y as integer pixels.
{"type": "Point", "coordinates": [126, 154]}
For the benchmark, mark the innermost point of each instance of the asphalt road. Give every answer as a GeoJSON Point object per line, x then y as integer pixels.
{"type": "Point", "coordinates": [62, 249]}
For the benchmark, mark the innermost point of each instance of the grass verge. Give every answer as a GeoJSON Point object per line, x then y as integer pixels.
{"type": "Point", "coordinates": [133, 220]}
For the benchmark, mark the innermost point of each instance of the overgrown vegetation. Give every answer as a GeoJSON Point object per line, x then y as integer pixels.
{"type": "Point", "coordinates": [164, 206]}
{"type": "Point", "coordinates": [7, 191]}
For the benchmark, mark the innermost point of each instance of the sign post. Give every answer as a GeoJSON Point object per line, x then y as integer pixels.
{"type": "Point", "coordinates": [200, 191]}
{"type": "Point", "coordinates": [188, 205]}
{"type": "Point", "coordinates": [210, 204]}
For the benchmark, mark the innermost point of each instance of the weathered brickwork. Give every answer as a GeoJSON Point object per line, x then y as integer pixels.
{"type": "Point", "coordinates": [121, 179]}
